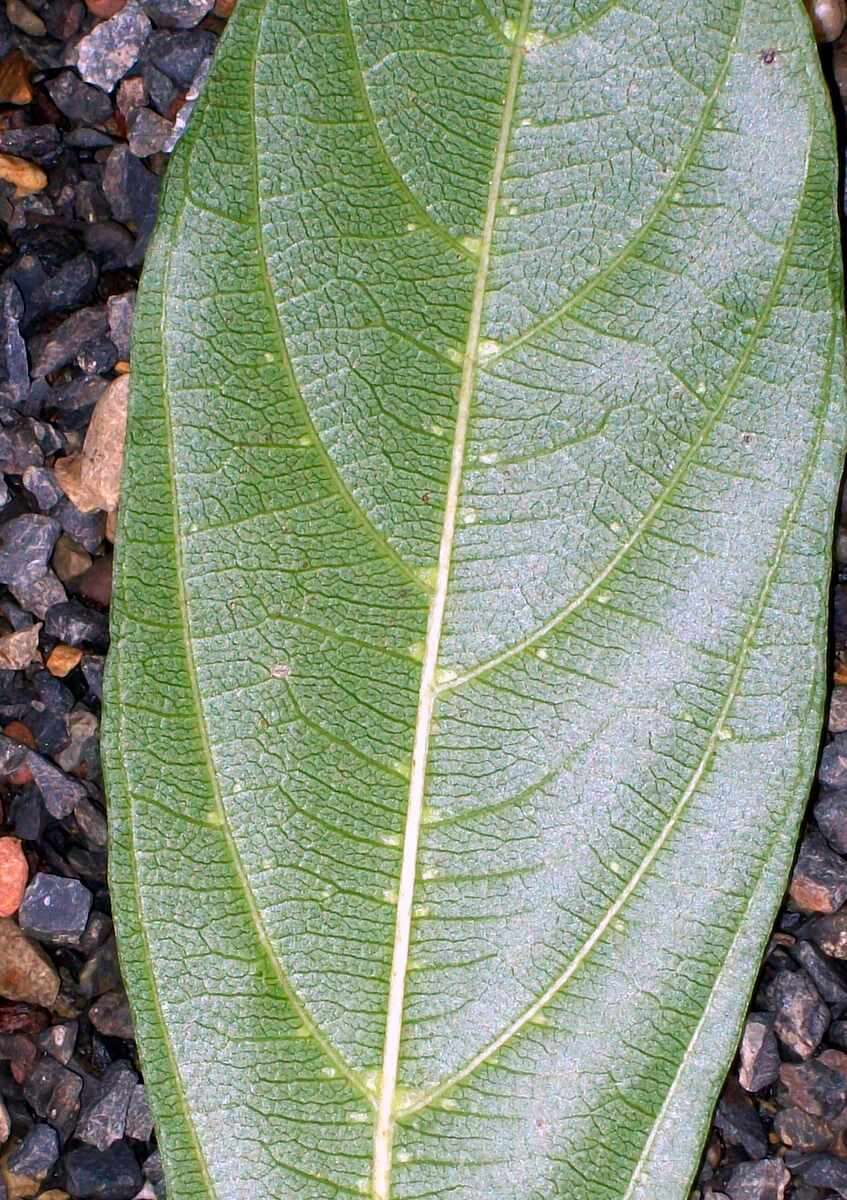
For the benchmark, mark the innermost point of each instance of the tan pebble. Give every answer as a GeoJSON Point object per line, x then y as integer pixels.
{"type": "Point", "coordinates": [15, 71]}
{"type": "Point", "coordinates": [92, 478]}
{"type": "Point", "coordinates": [223, 8]}
{"type": "Point", "coordinates": [121, 368]}
{"type": "Point", "coordinates": [24, 19]}
{"type": "Point", "coordinates": [70, 560]}
{"type": "Point", "coordinates": [26, 973]}
{"type": "Point", "coordinates": [111, 526]}
{"type": "Point", "coordinates": [18, 650]}
{"type": "Point", "coordinates": [54, 1194]}
{"type": "Point", "coordinates": [14, 873]}
{"type": "Point", "coordinates": [26, 176]}
{"type": "Point", "coordinates": [828, 18]}
{"type": "Point", "coordinates": [63, 659]}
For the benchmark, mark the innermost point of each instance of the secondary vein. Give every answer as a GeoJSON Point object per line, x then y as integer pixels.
{"type": "Point", "coordinates": [387, 1098]}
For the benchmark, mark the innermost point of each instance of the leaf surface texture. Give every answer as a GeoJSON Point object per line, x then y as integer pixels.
{"type": "Point", "coordinates": [469, 632]}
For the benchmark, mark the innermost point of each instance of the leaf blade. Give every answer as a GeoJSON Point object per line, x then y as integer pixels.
{"type": "Point", "coordinates": [303, 561]}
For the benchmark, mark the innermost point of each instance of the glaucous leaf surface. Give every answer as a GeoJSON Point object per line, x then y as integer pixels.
{"type": "Point", "coordinates": [469, 633]}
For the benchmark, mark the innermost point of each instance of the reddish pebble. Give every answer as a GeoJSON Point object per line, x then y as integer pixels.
{"type": "Point", "coordinates": [14, 873]}
{"type": "Point", "coordinates": [105, 8]}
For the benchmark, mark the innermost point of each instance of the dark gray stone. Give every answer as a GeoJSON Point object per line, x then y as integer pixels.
{"type": "Point", "coordinates": [37, 143]}
{"type": "Point", "coordinates": [74, 284]}
{"type": "Point", "coordinates": [56, 349]}
{"type": "Point", "coordinates": [61, 794]}
{"type": "Point", "coordinates": [111, 1174]}
{"type": "Point", "coordinates": [14, 365]}
{"type": "Point", "coordinates": [77, 625]}
{"type": "Point", "coordinates": [42, 485]}
{"type": "Point", "coordinates": [178, 14]}
{"type": "Point", "coordinates": [55, 909]}
{"type": "Point", "coordinates": [40, 596]}
{"type": "Point", "coordinates": [53, 1092]}
{"type": "Point", "coordinates": [104, 1121]}
{"type": "Point", "coordinates": [800, 1016]}
{"type": "Point", "coordinates": [139, 1119]}
{"type": "Point", "coordinates": [121, 311]}
{"type": "Point", "coordinates": [26, 544]}
{"type": "Point", "coordinates": [77, 100]}
{"type": "Point", "coordinates": [19, 444]}
{"type": "Point", "coordinates": [179, 55]}
{"type": "Point", "coordinates": [37, 1153]}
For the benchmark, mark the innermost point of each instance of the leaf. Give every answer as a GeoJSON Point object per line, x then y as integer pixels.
{"type": "Point", "coordinates": [469, 635]}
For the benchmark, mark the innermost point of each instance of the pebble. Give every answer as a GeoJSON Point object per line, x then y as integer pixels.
{"type": "Point", "coordinates": [121, 310]}
{"type": "Point", "coordinates": [70, 560]}
{"type": "Point", "coordinates": [110, 1015]}
{"type": "Point", "coordinates": [148, 132]}
{"type": "Point", "coordinates": [79, 101]}
{"type": "Point", "coordinates": [15, 71]}
{"type": "Point", "coordinates": [54, 909]}
{"type": "Point", "coordinates": [40, 596]}
{"type": "Point", "coordinates": [179, 55]}
{"type": "Point", "coordinates": [59, 1041]}
{"type": "Point", "coordinates": [37, 1153]}
{"type": "Point", "coordinates": [111, 1174]}
{"type": "Point", "coordinates": [50, 351]}
{"type": "Point", "coordinates": [27, 544]}
{"type": "Point", "coordinates": [814, 1087]}
{"type": "Point", "coordinates": [101, 973]}
{"type": "Point", "coordinates": [132, 190]}
{"type": "Point", "coordinates": [104, 1121]}
{"type": "Point", "coordinates": [74, 284]}
{"type": "Point", "coordinates": [830, 812]}
{"type": "Point", "coordinates": [25, 19]}
{"type": "Point", "coordinates": [104, 8]}
{"type": "Point", "coordinates": [85, 527]}
{"type": "Point", "coordinates": [819, 880]}
{"type": "Point", "coordinates": [41, 484]}
{"type": "Point", "coordinates": [77, 625]}
{"type": "Point", "coordinates": [178, 14]}
{"type": "Point", "coordinates": [139, 1120]}
{"type": "Point", "coordinates": [801, 1018]}
{"type": "Point", "coordinates": [14, 872]}
{"type": "Point", "coordinates": [830, 933]}
{"type": "Point", "coordinates": [106, 54]}
{"type": "Point", "coordinates": [92, 479]}
{"type": "Point", "coordinates": [799, 1130]}
{"type": "Point", "coordinates": [60, 794]}
{"type": "Point", "coordinates": [54, 1092]}
{"type": "Point", "coordinates": [739, 1123]}
{"type": "Point", "coordinates": [820, 1171]}
{"type": "Point", "coordinates": [40, 144]}
{"type": "Point", "coordinates": [767, 1180]}
{"type": "Point", "coordinates": [18, 650]}
{"type": "Point", "coordinates": [758, 1054]}
{"type": "Point", "coordinates": [26, 972]}
{"type": "Point", "coordinates": [63, 659]}
{"type": "Point", "coordinates": [26, 177]}
{"type": "Point", "coordinates": [833, 765]}
{"type": "Point", "coordinates": [837, 717]}
{"type": "Point", "coordinates": [828, 18]}
{"type": "Point", "coordinates": [14, 389]}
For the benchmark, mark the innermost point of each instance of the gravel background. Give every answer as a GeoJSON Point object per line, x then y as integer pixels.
{"type": "Point", "coordinates": [93, 97]}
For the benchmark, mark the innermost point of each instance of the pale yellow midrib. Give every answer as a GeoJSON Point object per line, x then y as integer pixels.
{"type": "Point", "coordinates": [386, 1103]}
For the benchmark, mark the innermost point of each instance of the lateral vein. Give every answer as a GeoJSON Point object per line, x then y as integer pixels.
{"type": "Point", "coordinates": [387, 1095]}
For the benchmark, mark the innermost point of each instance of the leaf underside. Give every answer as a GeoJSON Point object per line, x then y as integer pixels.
{"type": "Point", "coordinates": [468, 640]}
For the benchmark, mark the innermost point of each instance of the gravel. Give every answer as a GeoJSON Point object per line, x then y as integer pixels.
{"type": "Point", "coordinates": [93, 96]}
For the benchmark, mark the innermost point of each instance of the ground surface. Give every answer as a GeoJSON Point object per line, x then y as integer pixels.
{"type": "Point", "coordinates": [93, 96]}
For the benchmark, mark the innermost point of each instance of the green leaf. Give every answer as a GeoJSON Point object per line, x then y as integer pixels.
{"type": "Point", "coordinates": [469, 630]}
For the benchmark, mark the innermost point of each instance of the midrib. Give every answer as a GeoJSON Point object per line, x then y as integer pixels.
{"type": "Point", "coordinates": [387, 1098]}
